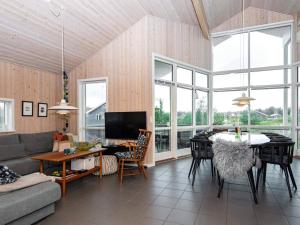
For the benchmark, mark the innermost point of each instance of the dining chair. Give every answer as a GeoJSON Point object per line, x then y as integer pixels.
{"type": "Point", "coordinates": [233, 160]}
{"type": "Point", "coordinates": [201, 150]}
{"type": "Point", "coordinates": [278, 153]}
{"type": "Point", "coordinates": [135, 155]}
{"type": "Point", "coordinates": [274, 137]}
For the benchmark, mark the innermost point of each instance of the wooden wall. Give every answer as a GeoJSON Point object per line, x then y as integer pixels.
{"type": "Point", "coordinates": [28, 84]}
{"type": "Point", "coordinates": [253, 17]}
{"type": "Point", "coordinates": [127, 62]}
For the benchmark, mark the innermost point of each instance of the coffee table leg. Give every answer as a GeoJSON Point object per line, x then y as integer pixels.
{"type": "Point", "coordinates": [64, 178]}
{"type": "Point", "coordinates": [100, 164]}
{"type": "Point", "coordinates": [41, 166]}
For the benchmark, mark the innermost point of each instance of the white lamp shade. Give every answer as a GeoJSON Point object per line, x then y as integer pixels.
{"type": "Point", "coordinates": [240, 104]}
{"type": "Point", "coordinates": [243, 100]}
{"type": "Point", "coordinates": [63, 107]}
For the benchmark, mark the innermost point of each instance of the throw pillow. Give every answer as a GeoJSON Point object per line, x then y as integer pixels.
{"type": "Point", "coordinates": [7, 176]}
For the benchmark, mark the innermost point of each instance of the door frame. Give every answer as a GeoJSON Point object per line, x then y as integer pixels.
{"type": "Point", "coordinates": [173, 127]}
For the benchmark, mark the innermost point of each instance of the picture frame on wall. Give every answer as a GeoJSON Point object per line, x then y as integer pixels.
{"type": "Point", "coordinates": [42, 109]}
{"type": "Point", "coordinates": [27, 108]}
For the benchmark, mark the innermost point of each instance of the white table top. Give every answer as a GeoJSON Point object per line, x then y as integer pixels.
{"type": "Point", "coordinates": [250, 138]}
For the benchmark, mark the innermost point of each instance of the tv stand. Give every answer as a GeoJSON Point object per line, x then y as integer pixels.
{"type": "Point", "coordinates": [113, 148]}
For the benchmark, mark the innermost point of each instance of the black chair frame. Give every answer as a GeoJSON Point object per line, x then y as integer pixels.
{"type": "Point", "coordinates": [277, 153]}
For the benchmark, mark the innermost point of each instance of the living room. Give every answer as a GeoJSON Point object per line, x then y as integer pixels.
{"type": "Point", "coordinates": [149, 112]}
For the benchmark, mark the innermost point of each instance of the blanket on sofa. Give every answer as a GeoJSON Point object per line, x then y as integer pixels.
{"type": "Point", "coordinates": [26, 181]}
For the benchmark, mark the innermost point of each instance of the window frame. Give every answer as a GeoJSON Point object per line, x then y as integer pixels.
{"type": "Point", "coordinates": [174, 128]}
{"type": "Point", "coordinates": [9, 115]}
{"type": "Point", "coordinates": [250, 87]}
{"type": "Point", "coordinates": [81, 123]}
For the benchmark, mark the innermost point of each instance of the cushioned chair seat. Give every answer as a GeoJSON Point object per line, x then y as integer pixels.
{"type": "Point", "coordinates": [17, 204]}
{"type": "Point", "coordinates": [109, 164]}
{"type": "Point", "coordinates": [124, 155]}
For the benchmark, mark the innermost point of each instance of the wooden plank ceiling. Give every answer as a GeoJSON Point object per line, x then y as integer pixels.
{"type": "Point", "coordinates": [218, 11]}
{"type": "Point", "coordinates": [31, 35]}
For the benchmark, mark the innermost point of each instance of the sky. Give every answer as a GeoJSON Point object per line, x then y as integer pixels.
{"type": "Point", "coordinates": [95, 94]}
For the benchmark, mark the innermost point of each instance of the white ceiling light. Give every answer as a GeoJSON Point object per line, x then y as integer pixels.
{"type": "Point", "coordinates": [243, 100]}
{"type": "Point", "coordinates": [63, 107]}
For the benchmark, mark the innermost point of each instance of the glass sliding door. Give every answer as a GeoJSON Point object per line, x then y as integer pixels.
{"type": "Point", "coordinates": [184, 120]}
{"type": "Point", "coordinates": [181, 107]}
{"type": "Point", "coordinates": [163, 110]}
{"type": "Point", "coordinates": [92, 109]}
{"type": "Point", "coordinates": [162, 121]}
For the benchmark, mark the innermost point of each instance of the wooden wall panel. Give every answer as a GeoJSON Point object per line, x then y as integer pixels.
{"type": "Point", "coordinates": [180, 41]}
{"type": "Point", "coordinates": [127, 62]}
{"type": "Point", "coordinates": [253, 17]}
{"type": "Point", "coordinates": [24, 83]}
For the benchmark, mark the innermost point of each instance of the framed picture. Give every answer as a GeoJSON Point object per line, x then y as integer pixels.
{"type": "Point", "coordinates": [27, 108]}
{"type": "Point", "coordinates": [42, 109]}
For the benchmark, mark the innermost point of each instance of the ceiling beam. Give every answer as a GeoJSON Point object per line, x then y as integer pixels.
{"type": "Point", "coordinates": [199, 10]}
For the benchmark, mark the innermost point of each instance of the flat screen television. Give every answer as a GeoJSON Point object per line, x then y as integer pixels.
{"type": "Point", "coordinates": [124, 125]}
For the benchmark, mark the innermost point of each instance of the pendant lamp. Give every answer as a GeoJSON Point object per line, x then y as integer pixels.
{"type": "Point", "coordinates": [63, 107]}
{"type": "Point", "coordinates": [243, 100]}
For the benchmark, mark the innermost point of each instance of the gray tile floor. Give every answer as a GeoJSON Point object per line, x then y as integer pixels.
{"type": "Point", "coordinates": [168, 198]}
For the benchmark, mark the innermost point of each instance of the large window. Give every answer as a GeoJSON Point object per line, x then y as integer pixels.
{"type": "Point", "coordinates": [201, 107]}
{"type": "Point", "coordinates": [258, 64]}
{"type": "Point", "coordinates": [268, 108]}
{"type": "Point", "coordinates": [270, 47]}
{"type": "Point", "coordinates": [184, 107]}
{"type": "Point", "coordinates": [228, 114]}
{"type": "Point", "coordinates": [227, 52]}
{"type": "Point", "coordinates": [6, 115]}
{"type": "Point", "coordinates": [181, 106]}
{"type": "Point", "coordinates": [92, 109]}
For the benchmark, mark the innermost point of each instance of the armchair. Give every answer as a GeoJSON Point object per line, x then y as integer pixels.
{"type": "Point", "coordinates": [135, 155]}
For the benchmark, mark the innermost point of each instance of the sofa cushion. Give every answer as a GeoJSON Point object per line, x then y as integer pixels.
{"type": "Point", "coordinates": [17, 204]}
{"type": "Point", "coordinates": [37, 148]}
{"type": "Point", "coordinates": [37, 143]}
{"type": "Point", "coordinates": [12, 151]}
{"type": "Point", "coordinates": [9, 139]}
{"type": "Point", "coordinates": [40, 137]}
{"type": "Point", "coordinates": [22, 166]}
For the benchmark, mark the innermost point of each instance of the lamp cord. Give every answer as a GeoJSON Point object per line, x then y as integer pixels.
{"type": "Point", "coordinates": [62, 49]}
{"type": "Point", "coordinates": [60, 14]}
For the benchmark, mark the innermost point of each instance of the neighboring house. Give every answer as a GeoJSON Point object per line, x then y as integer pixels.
{"type": "Point", "coordinates": [262, 114]}
{"type": "Point", "coordinates": [275, 116]}
{"type": "Point", "coordinates": [95, 116]}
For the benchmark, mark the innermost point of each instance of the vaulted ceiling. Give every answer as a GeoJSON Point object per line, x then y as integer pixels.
{"type": "Point", "coordinates": [218, 11]}
{"type": "Point", "coordinates": [30, 30]}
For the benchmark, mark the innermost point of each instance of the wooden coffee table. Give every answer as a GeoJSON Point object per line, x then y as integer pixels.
{"type": "Point", "coordinates": [60, 157]}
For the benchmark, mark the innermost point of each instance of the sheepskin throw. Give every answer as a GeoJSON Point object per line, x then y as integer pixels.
{"type": "Point", "coordinates": [232, 159]}
{"type": "Point", "coordinates": [26, 181]}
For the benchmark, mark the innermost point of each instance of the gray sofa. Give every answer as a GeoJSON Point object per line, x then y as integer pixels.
{"type": "Point", "coordinates": [28, 205]}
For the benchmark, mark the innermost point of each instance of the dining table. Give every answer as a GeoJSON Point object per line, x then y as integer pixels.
{"type": "Point", "coordinates": [253, 139]}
